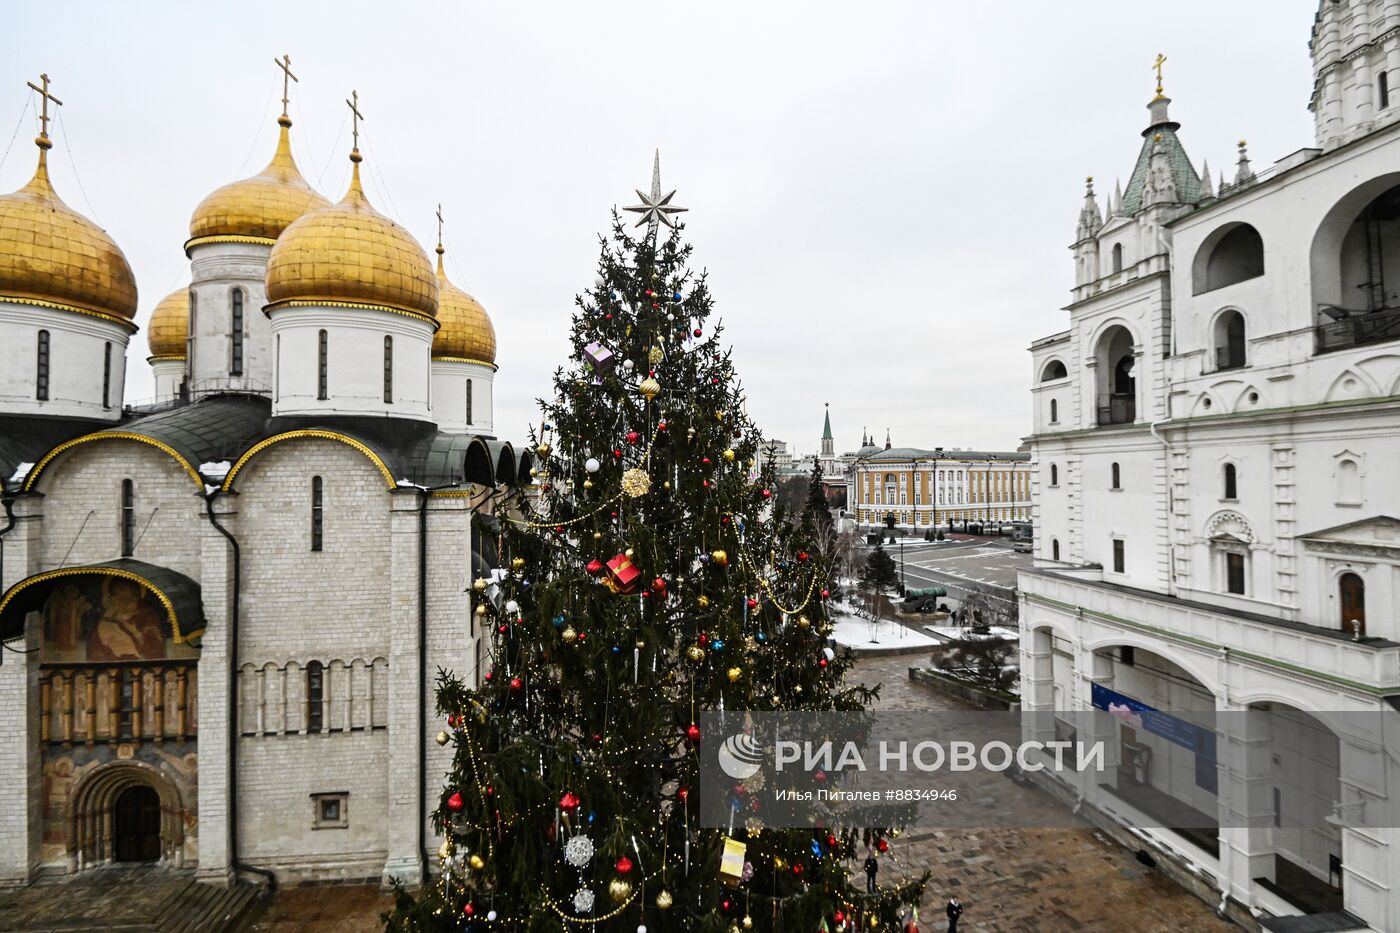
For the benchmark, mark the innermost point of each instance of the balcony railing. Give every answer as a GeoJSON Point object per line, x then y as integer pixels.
{"type": "Point", "coordinates": [1230, 357]}
{"type": "Point", "coordinates": [133, 702]}
{"type": "Point", "coordinates": [1117, 409]}
{"type": "Point", "coordinates": [1358, 328]}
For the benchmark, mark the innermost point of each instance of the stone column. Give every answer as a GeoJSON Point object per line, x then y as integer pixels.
{"type": "Point", "coordinates": [1091, 668]}
{"type": "Point", "coordinates": [406, 720]}
{"type": "Point", "coordinates": [21, 779]}
{"type": "Point", "coordinates": [217, 695]}
{"type": "Point", "coordinates": [1245, 798]}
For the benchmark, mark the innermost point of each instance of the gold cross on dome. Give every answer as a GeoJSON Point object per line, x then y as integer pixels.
{"type": "Point", "coordinates": [1161, 60]}
{"type": "Point", "coordinates": [44, 98]}
{"type": "Point", "coordinates": [354, 104]}
{"type": "Point", "coordinates": [439, 217]}
{"type": "Point", "coordinates": [286, 65]}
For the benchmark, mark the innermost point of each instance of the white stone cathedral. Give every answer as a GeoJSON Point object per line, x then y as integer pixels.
{"type": "Point", "coordinates": [223, 612]}
{"type": "Point", "coordinates": [1216, 442]}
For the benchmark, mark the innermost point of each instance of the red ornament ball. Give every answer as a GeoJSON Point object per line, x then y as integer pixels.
{"type": "Point", "coordinates": [883, 845]}
{"type": "Point", "coordinates": [569, 802]}
{"type": "Point", "coordinates": [683, 793]}
{"type": "Point", "coordinates": [633, 437]}
{"type": "Point", "coordinates": [753, 603]}
{"type": "Point", "coordinates": [488, 675]}
{"type": "Point", "coordinates": [826, 594]}
{"type": "Point", "coordinates": [455, 802]}
{"type": "Point", "coordinates": [624, 866]}
{"type": "Point", "coordinates": [797, 869]}
{"type": "Point", "coordinates": [821, 662]}
{"type": "Point", "coordinates": [516, 683]}
{"type": "Point", "coordinates": [697, 332]}
{"type": "Point", "coordinates": [617, 454]}
{"type": "Point", "coordinates": [767, 493]}
{"type": "Point", "coordinates": [502, 628]}
{"type": "Point", "coordinates": [661, 426]}
{"type": "Point", "coordinates": [693, 733]}
{"type": "Point", "coordinates": [469, 910]}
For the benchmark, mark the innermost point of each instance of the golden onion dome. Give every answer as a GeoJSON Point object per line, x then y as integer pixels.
{"type": "Point", "coordinates": [257, 208]}
{"type": "Point", "coordinates": [464, 331]}
{"type": "Point", "coordinates": [170, 326]}
{"type": "Point", "coordinates": [351, 255]}
{"type": "Point", "coordinates": [52, 255]}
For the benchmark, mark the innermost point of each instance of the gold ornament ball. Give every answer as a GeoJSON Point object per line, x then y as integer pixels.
{"type": "Point", "coordinates": [734, 674]}
{"type": "Point", "coordinates": [620, 890]}
{"type": "Point", "coordinates": [568, 635]}
{"type": "Point", "coordinates": [654, 355]}
{"type": "Point", "coordinates": [636, 482]}
{"type": "Point", "coordinates": [597, 536]}
{"type": "Point", "coordinates": [803, 622]}
{"type": "Point", "coordinates": [729, 455]}
{"type": "Point", "coordinates": [517, 563]}
{"type": "Point", "coordinates": [778, 862]}
{"type": "Point", "coordinates": [703, 601]}
{"type": "Point", "coordinates": [588, 484]}
{"type": "Point", "coordinates": [479, 584]}
{"type": "Point", "coordinates": [628, 552]}
{"type": "Point", "coordinates": [720, 557]}
{"type": "Point", "coordinates": [649, 388]}
{"type": "Point", "coordinates": [445, 850]}
{"type": "Point", "coordinates": [640, 644]}
{"type": "Point", "coordinates": [481, 609]}
{"type": "Point", "coordinates": [534, 472]}
{"type": "Point", "coordinates": [666, 484]}
{"type": "Point", "coordinates": [476, 862]}
{"type": "Point", "coordinates": [663, 899]}
{"type": "Point", "coordinates": [442, 738]}
{"type": "Point", "coordinates": [719, 416]}
{"type": "Point", "coordinates": [747, 922]}
{"type": "Point", "coordinates": [695, 653]}
{"type": "Point", "coordinates": [542, 450]}
{"type": "Point", "coordinates": [733, 928]}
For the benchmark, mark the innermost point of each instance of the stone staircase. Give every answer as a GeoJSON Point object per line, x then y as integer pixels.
{"type": "Point", "coordinates": [148, 899]}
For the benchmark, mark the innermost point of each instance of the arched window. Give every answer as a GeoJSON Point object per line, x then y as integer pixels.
{"type": "Point", "coordinates": [318, 513]}
{"type": "Point", "coordinates": [1231, 489]}
{"type": "Point", "coordinates": [1351, 597]}
{"type": "Point", "coordinates": [315, 696]}
{"type": "Point", "coordinates": [235, 353]}
{"type": "Point", "coordinates": [1053, 370]}
{"type": "Point", "coordinates": [1054, 411]}
{"type": "Point", "coordinates": [1054, 548]}
{"type": "Point", "coordinates": [1348, 482]}
{"type": "Point", "coordinates": [128, 518]}
{"type": "Point", "coordinates": [1116, 377]}
{"type": "Point", "coordinates": [1054, 475]}
{"type": "Point", "coordinates": [1115, 477]}
{"type": "Point", "coordinates": [323, 366]}
{"type": "Point", "coordinates": [1117, 257]}
{"type": "Point", "coordinates": [1383, 87]}
{"type": "Point", "coordinates": [41, 367]}
{"type": "Point", "coordinates": [469, 401]}
{"type": "Point", "coordinates": [388, 369]}
{"type": "Point", "coordinates": [107, 374]}
{"type": "Point", "coordinates": [1231, 254]}
{"type": "Point", "coordinates": [1229, 340]}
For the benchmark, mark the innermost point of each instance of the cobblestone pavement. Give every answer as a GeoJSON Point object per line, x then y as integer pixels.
{"type": "Point", "coordinates": [326, 908]}
{"type": "Point", "coordinates": [1050, 880]}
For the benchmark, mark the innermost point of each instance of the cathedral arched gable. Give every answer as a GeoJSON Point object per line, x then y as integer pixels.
{"type": "Point", "coordinates": [32, 480]}
{"type": "Point", "coordinates": [318, 434]}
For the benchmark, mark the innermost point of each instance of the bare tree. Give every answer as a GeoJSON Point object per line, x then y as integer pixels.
{"type": "Point", "coordinates": [985, 606]}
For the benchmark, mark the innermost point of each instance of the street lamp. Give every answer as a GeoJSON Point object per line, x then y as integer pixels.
{"type": "Point", "coordinates": [901, 567]}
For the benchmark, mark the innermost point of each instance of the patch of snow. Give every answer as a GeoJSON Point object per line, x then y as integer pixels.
{"type": "Point", "coordinates": [855, 632]}
{"type": "Point", "coordinates": [406, 484]}
{"type": "Point", "coordinates": [215, 470]}
{"type": "Point", "coordinates": [21, 472]}
{"type": "Point", "coordinates": [953, 632]}
{"type": "Point", "coordinates": [210, 490]}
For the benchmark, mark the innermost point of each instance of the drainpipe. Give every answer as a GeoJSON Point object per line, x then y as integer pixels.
{"type": "Point", "coordinates": [423, 495]}
{"type": "Point", "coordinates": [233, 705]}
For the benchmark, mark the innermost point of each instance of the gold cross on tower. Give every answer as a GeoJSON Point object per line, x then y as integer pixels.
{"type": "Point", "coordinates": [354, 104]}
{"type": "Point", "coordinates": [286, 65]}
{"type": "Point", "coordinates": [439, 218]}
{"type": "Point", "coordinates": [1161, 59]}
{"type": "Point", "coordinates": [44, 98]}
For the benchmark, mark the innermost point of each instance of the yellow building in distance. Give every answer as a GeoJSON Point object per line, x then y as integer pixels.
{"type": "Point", "coordinates": [923, 489]}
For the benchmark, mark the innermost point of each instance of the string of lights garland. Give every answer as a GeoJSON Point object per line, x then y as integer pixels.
{"type": "Point", "coordinates": [763, 583]}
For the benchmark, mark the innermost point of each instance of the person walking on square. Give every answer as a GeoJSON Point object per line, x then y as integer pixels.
{"type": "Point", "coordinates": [872, 866]}
{"type": "Point", "coordinates": [954, 912]}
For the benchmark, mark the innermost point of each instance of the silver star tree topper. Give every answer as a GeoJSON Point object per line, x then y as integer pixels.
{"type": "Point", "coordinates": [654, 208]}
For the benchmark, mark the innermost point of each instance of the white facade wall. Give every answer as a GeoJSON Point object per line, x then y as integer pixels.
{"type": "Point", "coordinates": [169, 374]}
{"type": "Point", "coordinates": [78, 346]}
{"type": "Point", "coordinates": [355, 362]}
{"type": "Point", "coordinates": [216, 269]}
{"type": "Point", "coordinates": [450, 393]}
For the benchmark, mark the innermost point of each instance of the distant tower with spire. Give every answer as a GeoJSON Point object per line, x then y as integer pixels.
{"type": "Point", "coordinates": [828, 442]}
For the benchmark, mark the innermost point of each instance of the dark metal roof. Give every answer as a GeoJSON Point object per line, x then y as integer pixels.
{"type": "Point", "coordinates": [25, 439]}
{"type": "Point", "coordinates": [177, 592]}
{"type": "Point", "coordinates": [209, 430]}
{"type": "Point", "coordinates": [918, 453]}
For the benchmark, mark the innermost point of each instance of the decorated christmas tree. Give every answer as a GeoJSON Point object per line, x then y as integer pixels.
{"type": "Point", "coordinates": [644, 579]}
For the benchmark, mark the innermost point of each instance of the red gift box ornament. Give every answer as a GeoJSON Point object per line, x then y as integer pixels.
{"type": "Point", "coordinates": [622, 574]}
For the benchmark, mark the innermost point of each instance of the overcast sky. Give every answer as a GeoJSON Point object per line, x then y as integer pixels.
{"type": "Point", "coordinates": [883, 193]}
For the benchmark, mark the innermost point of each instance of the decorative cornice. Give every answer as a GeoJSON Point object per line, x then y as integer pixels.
{"type": "Point", "coordinates": [166, 358]}
{"type": "Point", "coordinates": [1346, 549]}
{"type": "Point", "coordinates": [129, 324]}
{"type": "Point", "coordinates": [180, 638]}
{"type": "Point", "coordinates": [349, 441]}
{"type": "Point", "coordinates": [362, 306]}
{"type": "Point", "coordinates": [465, 359]}
{"type": "Point", "coordinates": [33, 476]}
{"type": "Point", "coordinates": [226, 238]}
